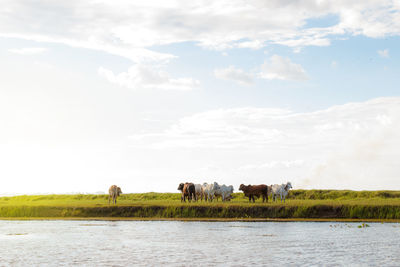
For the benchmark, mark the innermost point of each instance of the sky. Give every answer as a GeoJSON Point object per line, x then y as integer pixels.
{"type": "Point", "coordinates": [148, 95]}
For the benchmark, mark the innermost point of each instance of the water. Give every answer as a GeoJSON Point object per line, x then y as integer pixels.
{"type": "Point", "coordinates": [155, 243]}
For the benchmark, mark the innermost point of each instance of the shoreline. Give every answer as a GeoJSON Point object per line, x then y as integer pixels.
{"type": "Point", "coordinates": [198, 219]}
{"type": "Point", "coordinates": [168, 207]}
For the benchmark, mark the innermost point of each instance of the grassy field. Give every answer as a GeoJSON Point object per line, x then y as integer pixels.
{"type": "Point", "coordinates": [301, 204]}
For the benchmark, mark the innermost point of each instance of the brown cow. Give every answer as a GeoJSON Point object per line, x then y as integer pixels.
{"type": "Point", "coordinates": [255, 190]}
{"type": "Point", "coordinates": [188, 190]}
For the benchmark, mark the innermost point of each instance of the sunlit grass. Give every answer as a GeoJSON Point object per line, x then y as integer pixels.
{"type": "Point", "coordinates": [300, 204]}
{"type": "Point", "coordinates": [296, 197]}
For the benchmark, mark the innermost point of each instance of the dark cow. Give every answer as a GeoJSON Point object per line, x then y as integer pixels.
{"type": "Point", "coordinates": [188, 190]}
{"type": "Point", "coordinates": [255, 190]}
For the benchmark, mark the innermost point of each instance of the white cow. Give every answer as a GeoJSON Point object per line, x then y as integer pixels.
{"type": "Point", "coordinates": [224, 192]}
{"type": "Point", "coordinates": [281, 190]}
{"type": "Point", "coordinates": [208, 190]}
{"type": "Point", "coordinates": [199, 191]}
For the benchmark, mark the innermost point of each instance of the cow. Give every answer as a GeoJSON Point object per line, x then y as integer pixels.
{"type": "Point", "coordinates": [255, 190]}
{"type": "Point", "coordinates": [188, 190]}
{"type": "Point", "coordinates": [199, 192]}
{"type": "Point", "coordinates": [282, 190]}
{"type": "Point", "coordinates": [224, 192]}
{"type": "Point", "coordinates": [113, 193]}
{"type": "Point", "coordinates": [208, 190]}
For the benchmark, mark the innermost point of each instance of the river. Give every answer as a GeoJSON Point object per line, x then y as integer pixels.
{"type": "Point", "coordinates": [177, 243]}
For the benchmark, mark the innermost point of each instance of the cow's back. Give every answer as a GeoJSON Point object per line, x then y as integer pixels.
{"type": "Point", "coordinates": [276, 188]}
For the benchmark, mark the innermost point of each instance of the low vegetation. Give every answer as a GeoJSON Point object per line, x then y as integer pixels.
{"type": "Point", "coordinates": [333, 204]}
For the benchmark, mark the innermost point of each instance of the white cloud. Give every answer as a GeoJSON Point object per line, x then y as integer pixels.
{"type": "Point", "coordinates": [384, 53]}
{"type": "Point", "coordinates": [247, 127]}
{"type": "Point", "coordinates": [234, 74]}
{"type": "Point", "coordinates": [347, 146]}
{"type": "Point", "coordinates": [130, 28]}
{"type": "Point", "coordinates": [273, 164]}
{"type": "Point", "coordinates": [28, 50]}
{"type": "Point", "coordinates": [141, 76]}
{"type": "Point", "coordinates": [282, 69]}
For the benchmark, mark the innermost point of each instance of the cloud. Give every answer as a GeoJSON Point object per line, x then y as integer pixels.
{"type": "Point", "coordinates": [130, 29]}
{"type": "Point", "coordinates": [276, 68]}
{"type": "Point", "coordinates": [354, 145]}
{"type": "Point", "coordinates": [280, 68]}
{"type": "Point", "coordinates": [273, 164]}
{"type": "Point", "coordinates": [383, 53]}
{"type": "Point", "coordinates": [142, 76]}
{"type": "Point", "coordinates": [234, 74]}
{"type": "Point", "coordinates": [28, 50]}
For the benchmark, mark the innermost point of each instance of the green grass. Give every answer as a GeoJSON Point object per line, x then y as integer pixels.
{"type": "Point", "coordinates": [335, 204]}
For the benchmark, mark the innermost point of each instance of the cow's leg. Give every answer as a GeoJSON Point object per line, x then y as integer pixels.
{"type": "Point", "coordinates": [249, 198]}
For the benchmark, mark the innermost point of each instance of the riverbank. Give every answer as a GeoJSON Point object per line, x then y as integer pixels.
{"type": "Point", "coordinates": [167, 206]}
{"type": "Point", "coordinates": [197, 219]}
{"type": "Point", "coordinates": [199, 211]}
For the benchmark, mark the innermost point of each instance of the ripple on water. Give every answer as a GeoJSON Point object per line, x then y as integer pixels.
{"type": "Point", "coordinates": [144, 243]}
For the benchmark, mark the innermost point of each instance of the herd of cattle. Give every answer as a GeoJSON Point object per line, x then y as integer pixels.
{"type": "Point", "coordinates": [209, 192]}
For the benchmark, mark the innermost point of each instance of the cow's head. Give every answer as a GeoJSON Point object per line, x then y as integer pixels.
{"type": "Point", "coordinates": [231, 188]}
{"type": "Point", "coordinates": [288, 186]}
{"type": "Point", "coordinates": [216, 186]}
{"type": "Point", "coordinates": [242, 187]}
{"type": "Point", "coordinates": [180, 187]}
{"type": "Point", "coordinates": [119, 191]}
